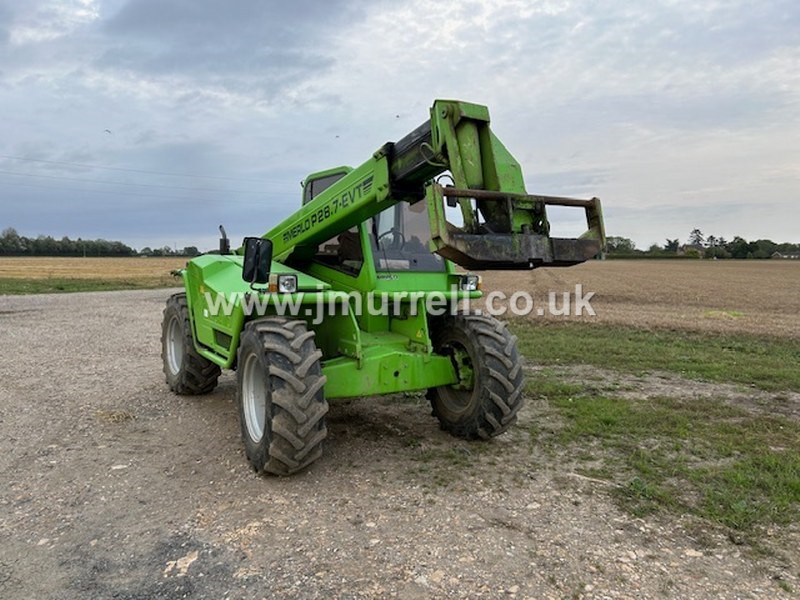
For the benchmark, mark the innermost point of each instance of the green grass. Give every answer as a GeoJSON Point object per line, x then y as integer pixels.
{"type": "Point", "coordinates": [765, 362]}
{"type": "Point", "coordinates": [14, 286]}
{"type": "Point", "coordinates": [700, 456]}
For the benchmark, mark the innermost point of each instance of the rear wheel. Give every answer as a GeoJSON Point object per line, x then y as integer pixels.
{"type": "Point", "coordinates": [280, 395]}
{"type": "Point", "coordinates": [488, 395]}
{"type": "Point", "coordinates": [187, 372]}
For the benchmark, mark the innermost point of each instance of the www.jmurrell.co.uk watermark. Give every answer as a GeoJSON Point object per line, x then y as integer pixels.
{"type": "Point", "coordinates": [436, 303]}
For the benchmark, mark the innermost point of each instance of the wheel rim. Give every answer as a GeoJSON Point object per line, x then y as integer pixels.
{"type": "Point", "coordinates": [174, 346]}
{"type": "Point", "coordinates": [254, 397]}
{"type": "Point", "coordinates": [458, 397]}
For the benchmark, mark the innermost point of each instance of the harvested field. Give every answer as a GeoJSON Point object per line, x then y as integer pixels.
{"type": "Point", "coordinates": [56, 267]}
{"type": "Point", "coordinates": [758, 296]}
{"type": "Point", "coordinates": [36, 275]}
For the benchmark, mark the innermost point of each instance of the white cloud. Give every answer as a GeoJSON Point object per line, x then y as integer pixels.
{"type": "Point", "coordinates": [52, 20]}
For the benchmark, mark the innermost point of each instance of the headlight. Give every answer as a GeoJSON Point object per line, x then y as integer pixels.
{"type": "Point", "coordinates": [287, 284]}
{"type": "Point", "coordinates": [469, 283]}
{"type": "Point", "coordinates": [284, 283]}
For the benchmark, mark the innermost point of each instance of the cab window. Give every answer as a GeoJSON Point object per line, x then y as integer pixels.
{"type": "Point", "coordinates": [400, 236]}
{"type": "Point", "coordinates": [316, 186]}
{"type": "Point", "coordinates": [342, 252]}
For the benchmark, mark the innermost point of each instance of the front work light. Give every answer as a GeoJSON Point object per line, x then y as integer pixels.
{"type": "Point", "coordinates": [469, 283]}
{"type": "Point", "coordinates": [284, 283]}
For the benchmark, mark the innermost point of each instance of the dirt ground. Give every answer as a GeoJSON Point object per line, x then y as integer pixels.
{"type": "Point", "coordinates": [753, 296]}
{"type": "Point", "coordinates": [112, 487]}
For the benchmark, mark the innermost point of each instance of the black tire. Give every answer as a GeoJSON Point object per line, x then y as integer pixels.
{"type": "Point", "coordinates": [187, 372]}
{"type": "Point", "coordinates": [486, 402]}
{"type": "Point", "coordinates": [281, 395]}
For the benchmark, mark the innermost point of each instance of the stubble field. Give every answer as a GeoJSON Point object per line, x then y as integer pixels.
{"type": "Point", "coordinates": [33, 275]}
{"type": "Point", "coordinates": [45, 267]}
{"type": "Point", "coordinates": [759, 297]}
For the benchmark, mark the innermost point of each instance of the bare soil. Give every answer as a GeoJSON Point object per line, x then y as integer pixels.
{"type": "Point", "coordinates": [114, 487]}
{"type": "Point", "coordinates": [744, 296]}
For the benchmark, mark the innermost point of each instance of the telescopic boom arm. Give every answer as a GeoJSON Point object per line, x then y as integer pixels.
{"type": "Point", "coordinates": [503, 227]}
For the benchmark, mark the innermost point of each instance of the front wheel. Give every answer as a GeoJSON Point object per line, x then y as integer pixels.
{"type": "Point", "coordinates": [187, 372]}
{"type": "Point", "coordinates": [486, 399]}
{"type": "Point", "coordinates": [280, 395]}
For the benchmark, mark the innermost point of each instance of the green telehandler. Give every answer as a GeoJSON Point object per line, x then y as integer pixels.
{"type": "Point", "coordinates": [357, 293]}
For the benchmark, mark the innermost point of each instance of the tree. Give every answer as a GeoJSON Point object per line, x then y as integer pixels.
{"type": "Point", "coordinates": [696, 237]}
{"type": "Point", "coordinates": [672, 245]}
{"type": "Point", "coordinates": [739, 248]}
{"type": "Point", "coordinates": [12, 242]}
{"type": "Point", "coordinates": [45, 246]}
{"type": "Point", "coordinates": [190, 251]}
{"type": "Point", "coordinates": [712, 249]}
{"type": "Point", "coordinates": [764, 248]}
{"type": "Point", "coordinates": [619, 245]}
{"type": "Point", "coordinates": [67, 247]}
{"type": "Point", "coordinates": [716, 251]}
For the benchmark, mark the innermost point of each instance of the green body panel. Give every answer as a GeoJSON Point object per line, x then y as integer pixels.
{"type": "Point", "coordinates": [218, 278]}
{"type": "Point", "coordinates": [387, 369]}
{"type": "Point", "coordinates": [362, 353]}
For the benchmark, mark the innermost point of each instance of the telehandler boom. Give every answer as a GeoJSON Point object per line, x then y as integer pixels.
{"type": "Point", "coordinates": [357, 294]}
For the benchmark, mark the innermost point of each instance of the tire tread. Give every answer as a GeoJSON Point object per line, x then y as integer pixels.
{"type": "Point", "coordinates": [500, 397]}
{"type": "Point", "coordinates": [198, 375]}
{"type": "Point", "coordinates": [297, 428]}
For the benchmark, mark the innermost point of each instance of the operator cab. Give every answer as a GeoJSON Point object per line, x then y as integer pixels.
{"type": "Point", "coordinates": [400, 237]}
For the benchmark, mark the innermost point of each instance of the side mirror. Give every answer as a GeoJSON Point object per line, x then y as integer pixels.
{"type": "Point", "coordinates": [257, 260]}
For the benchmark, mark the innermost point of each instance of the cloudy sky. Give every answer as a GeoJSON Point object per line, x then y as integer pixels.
{"type": "Point", "coordinates": [152, 121]}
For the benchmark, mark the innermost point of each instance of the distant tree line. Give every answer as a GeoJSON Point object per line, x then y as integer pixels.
{"type": "Point", "coordinates": [13, 244]}
{"type": "Point", "coordinates": [701, 246]}
{"type": "Point", "coordinates": [167, 251]}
